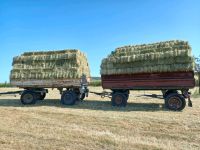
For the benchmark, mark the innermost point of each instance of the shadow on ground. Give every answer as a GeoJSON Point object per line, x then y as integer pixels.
{"type": "Point", "coordinates": [87, 104]}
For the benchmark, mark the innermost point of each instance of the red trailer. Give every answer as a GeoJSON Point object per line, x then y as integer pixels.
{"type": "Point", "coordinates": [174, 86]}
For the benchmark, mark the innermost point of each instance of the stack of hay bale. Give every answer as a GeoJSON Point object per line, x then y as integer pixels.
{"type": "Point", "coordinates": [64, 64]}
{"type": "Point", "coordinates": [168, 56]}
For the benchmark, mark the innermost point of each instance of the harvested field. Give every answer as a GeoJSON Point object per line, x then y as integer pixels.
{"type": "Point", "coordinates": [95, 124]}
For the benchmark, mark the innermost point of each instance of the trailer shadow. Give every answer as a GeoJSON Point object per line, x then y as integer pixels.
{"type": "Point", "coordinates": [151, 96]}
{"type": "Point", "coordinates": [131, 106]}
{"type": "Point", "coordinates": [88, 104]}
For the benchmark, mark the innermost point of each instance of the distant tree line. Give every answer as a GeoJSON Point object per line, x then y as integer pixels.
{"type": "Point", "coordinates": [5, 84]}
{"type": "Point", "coordinates": [197, 63]}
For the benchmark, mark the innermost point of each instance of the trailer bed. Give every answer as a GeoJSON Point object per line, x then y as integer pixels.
{"type": "Point", "coordinates": [149, 81]}
{"type": "Point", "coordinates": [50, 83]}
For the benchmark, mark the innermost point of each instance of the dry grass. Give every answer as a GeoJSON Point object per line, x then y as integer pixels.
{"type": "Point", "coordinates": [95, 124]}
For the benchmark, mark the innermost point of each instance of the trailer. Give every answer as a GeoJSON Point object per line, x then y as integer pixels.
{"type": "Point", "coordinates": [174, 86]}
{"type": "Point", "coordinates": [71, 90]}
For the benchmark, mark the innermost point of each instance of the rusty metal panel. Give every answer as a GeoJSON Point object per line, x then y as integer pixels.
{"type": "Point", "coordinates": [168, 80]}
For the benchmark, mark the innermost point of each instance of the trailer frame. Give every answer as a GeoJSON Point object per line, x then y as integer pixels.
{"type": "Point", "coordinates": [71, 90]}
{"type": "Point", "coordinates": [174, 86]}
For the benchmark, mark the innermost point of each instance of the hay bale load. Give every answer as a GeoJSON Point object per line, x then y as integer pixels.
{"type": "Point", "coordinates": [48, 65]}
{"type": "Point", "coordinates": [168, 56]}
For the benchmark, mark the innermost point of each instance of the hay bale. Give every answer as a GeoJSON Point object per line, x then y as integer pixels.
{"type": "Point", "coordinates": [165, 56]}
{"type": "Point", "coordinates": [63, 64]}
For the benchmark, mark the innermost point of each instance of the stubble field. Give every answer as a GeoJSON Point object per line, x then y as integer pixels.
{"type": "Point", "coordinates": [95, 124]}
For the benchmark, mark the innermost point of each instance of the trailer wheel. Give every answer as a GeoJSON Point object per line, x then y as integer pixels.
{"type": "Point", "coordinates": [79, 95]}
{"type": "Point", "coordinates": [166, 93]}
{"type": "Point", "coordinates": [28, 97]}
{"type": "Point", "coordinates": [119, 99]}
{"type": "Point", "coordinates": [82, 96]}
{"type": "Point", "coordinates": [68, 98]}
{"type": "Point", "coordinates": [41, 96]}
{"type": "Point", "coordinates": [127, 96]}
{"type": "Point", "coordinates": [175, 102]}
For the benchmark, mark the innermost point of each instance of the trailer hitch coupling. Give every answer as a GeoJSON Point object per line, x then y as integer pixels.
{"type": "Point", "coordinates": [106, 94]}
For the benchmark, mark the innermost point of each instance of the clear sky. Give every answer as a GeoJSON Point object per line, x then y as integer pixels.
{"type": "Point", "coordinates": [94, 26]}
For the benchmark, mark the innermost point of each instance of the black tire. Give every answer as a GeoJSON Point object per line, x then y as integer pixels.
{"type": "Point", "coordinates": [165, 94]}
{"type": "Point", "coordinates": [82, 96]}
{"type": "Point", "coordinates": [175, 102]}
{"type": "Point", "coordinates": [119, 99]}
{"type": "Point", "coordinates": [127, 96]}
{"type": "Point", "coordinates": [41, 96]}
{"type": "Point", "coordinates": [68, 98]}
{"type": "Point", "coordinates": [28, 97]}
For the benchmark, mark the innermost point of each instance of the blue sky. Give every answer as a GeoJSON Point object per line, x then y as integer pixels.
{"type": "Point", "coordinates": [95, 27]}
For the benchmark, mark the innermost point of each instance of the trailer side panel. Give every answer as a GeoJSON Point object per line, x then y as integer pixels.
{"type": "Point", "coordinates": [154, 81]}
{"type": "Point", "coordinates": [54, 83]}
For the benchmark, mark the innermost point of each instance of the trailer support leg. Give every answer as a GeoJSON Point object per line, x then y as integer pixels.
{"type": "Point", "coordinates": [189, 102]}
{"type": "Point", "coordinates": [187, 94]}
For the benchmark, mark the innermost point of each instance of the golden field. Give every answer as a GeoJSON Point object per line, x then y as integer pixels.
{"type": "Point", "coordinates": [95, 124]}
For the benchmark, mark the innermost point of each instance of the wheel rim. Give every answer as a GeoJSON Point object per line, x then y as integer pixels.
{"type": "Point", "coordinates": [28, 98]}
{"type": "Point", "coordinates": [175, 103]}
{"type": "Point", "coordinates": [118, 100]}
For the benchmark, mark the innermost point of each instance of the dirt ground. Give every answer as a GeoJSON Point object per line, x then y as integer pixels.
{"type": "Point", "coordinates": [95, 124]}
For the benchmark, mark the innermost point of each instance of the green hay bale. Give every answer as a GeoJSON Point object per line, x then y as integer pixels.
{"type": "Point", "coordinates": [156, 57]}
{"type": "Point", "coordinates": [151, 48]}
{"type": "Point", "coordinates": [50, 65]}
